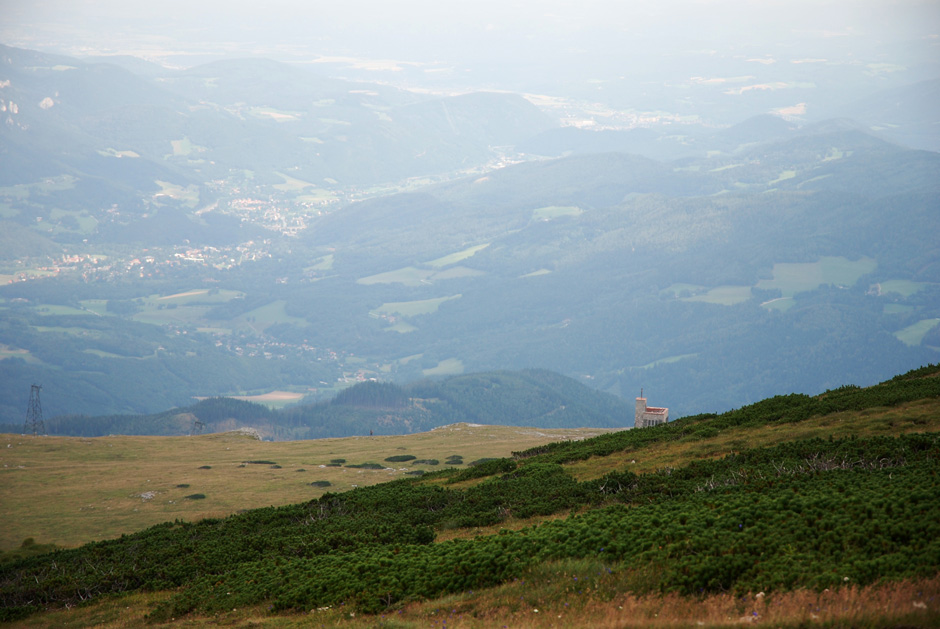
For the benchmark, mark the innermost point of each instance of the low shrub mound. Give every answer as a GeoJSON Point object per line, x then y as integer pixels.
{"type": "Point", "coordinates": [401, 458]}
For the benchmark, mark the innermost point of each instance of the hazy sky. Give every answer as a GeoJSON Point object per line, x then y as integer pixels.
{"type": "Point", "coordinates": [550, 46]}
{"type": "Point", "coordinates": [421, 30]}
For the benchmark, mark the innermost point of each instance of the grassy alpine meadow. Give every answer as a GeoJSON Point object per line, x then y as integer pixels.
{"type": "Point", "coordinates": [71, 490]}
{"type": "Point", "coordinates": [794, 511]}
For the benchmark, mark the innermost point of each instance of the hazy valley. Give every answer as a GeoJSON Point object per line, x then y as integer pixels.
{"type": "Point", "coordinates": [248, 227]}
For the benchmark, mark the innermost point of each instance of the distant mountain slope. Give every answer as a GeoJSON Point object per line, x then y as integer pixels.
{"type": "Point", "coordinates": [525, 398]}
{"type": "Point", "coordinates": [907, 115]}
{"type": "Point", "coordinates": [768, 256]}
{"type": "Point", "coordinates": [632, 272]}
{"type": "Point", "coordinates": [118, 134]}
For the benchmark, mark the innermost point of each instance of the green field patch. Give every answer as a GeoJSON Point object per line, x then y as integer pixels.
{"type": "Point", "coordinates": [95, 306]}
{"type": "Point", "coordinates": [184, 147]}
{"type": "Point", "coordinates": [188, 307]}
{"type": "Point", "coordinates": [723, 295]}
{"type": "Point", "coordinates": [666, 361]}
{"type": "Point", "coordinates": [102, 354]}
{"type": "Point", "coordinates": [412, 308]}
{"type": "Point", "coordinates": [409, 276]}
{"type": "Point", "coordinates": [201, 295]}
{"type": "Point", "coordinates": [555, 211]}
{"type": "Point", "coordinates": [536, 273]}
{"type": "Point", "coordinates": [904, 288]}
{"type": "Point", "coordinates": [82, 221]}
{"type": "Point", "coordinates": [836, 153]}
{"type": "Point", "coordinates": [322, 264]}
{"type": "Point", "coordinates": [291, 184]}
{"type": "Point", "coordinates": [189, 195]}
{"type": "Point", "coordinates": [791, 278]}
{"type": "Point", "coordinates": [414, 276]}
{"type": "Point", "coordinates": [74, 330]}
{"type": "Point", "coordinates": [312, 140]}
{"type": "Point", "coordinates": [819, 178]}
{"type": "Point", "coordinates": [781, 304]}
{"type": "Point", "coordinates": [891, 309]}
{"type": "Point", "coordinates": [44, 186]}
{"type": "Point", "coordinates": [408, 359]}
{"type": "Point", "coordinates": [317, 195]}
{"type": "Point", "coordinates": [277, 115]}
{"type": "Point", "coordinates": [5, 278]}
{"type": "Point", "coordinates": [210, 330]}
{"type": "Point", "coordinates": [912, 335]}
{"type": "Point", "coordinates": [402, 327]}
{"type": "Point", "coordinates": [456, 272]}
{"type": "Point", "coordinates": [50, 309]}
{"type": "Point", "coordinates": [447, 367]}
{"type": "Point", "coordinates": [272, 399]}
{"type": "Point", "coordinates": [189, 315]}
{"type": "Point", "coordinates": [183, 295]}
{"type": "Point", "coordinates": [459, 256]}
{"type": "Point", "coordinates": [728, 167]}
{"type": "Point", "coordinates": [336, 121]}
{"type": "Point", "coordinates": [7, 351]}
{"type": "Point", "coordinates": [681, 290]}
{"type": "Point", "coordinates": [37, 273]}
{"type": "Point", "coordinates": [787, 174]}
{"type": "Point", "coordinates": [269, 314]}
{"type": "Point", "coordinates": [110, 152]}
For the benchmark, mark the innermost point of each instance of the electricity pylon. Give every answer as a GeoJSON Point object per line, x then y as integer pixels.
{"type": "Point", "coordinates": [34, 423]}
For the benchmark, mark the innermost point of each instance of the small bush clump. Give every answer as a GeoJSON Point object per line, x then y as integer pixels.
{"type": "Point", "coordinates": [484, 467]}
{"type": "Point", "coordinates": [401, 458]}
{"type": "Point", "coordinates": [195, 497]}
{"type": "Point", "coordinates": [321, 483]}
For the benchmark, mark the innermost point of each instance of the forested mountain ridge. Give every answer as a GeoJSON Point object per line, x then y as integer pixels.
{"type": "Point", "coordinates": [118, 133]}
{"type": "Point", "coordinates": [523, 398]}
{"type": "Point", "coordinates": [855, 509]}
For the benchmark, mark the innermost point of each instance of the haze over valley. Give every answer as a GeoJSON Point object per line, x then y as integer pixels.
{"type": "Point", "coordinates": [276, 212]}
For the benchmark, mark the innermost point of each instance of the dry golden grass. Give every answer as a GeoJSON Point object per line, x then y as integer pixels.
{"type": "Point", "coordinates": [919, 416]}
{"type": "Point", "coordinates": [549, 601]}
{"type": "Point", "coordinates": [82, 489]}
{"type": "Point", "coordinates": [70, 490]}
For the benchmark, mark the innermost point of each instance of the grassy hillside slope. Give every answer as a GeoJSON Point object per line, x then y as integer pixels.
{"type": "Point", "coordinates": [752, 500]}
{"type": "Point", "coordinates": [69, 491]}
